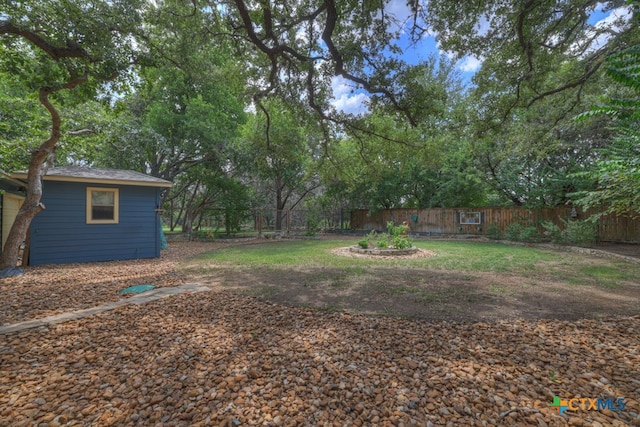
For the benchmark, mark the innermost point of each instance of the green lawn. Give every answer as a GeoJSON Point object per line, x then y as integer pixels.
{"type": "Point", "coordinates": [450, 256]}
{"type": "Point", "coordinates": [465, 280]}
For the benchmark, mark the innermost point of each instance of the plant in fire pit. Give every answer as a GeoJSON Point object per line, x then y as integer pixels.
{"type": "Point", "coordinates": [383, 242]}
{"type": "Point", "coordinates": [396, 237]}
{"type": "Point", "coordinates": [399, 235]}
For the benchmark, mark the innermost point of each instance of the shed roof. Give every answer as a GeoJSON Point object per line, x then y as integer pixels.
{"type": "Point", "coordinates": [98, 176]}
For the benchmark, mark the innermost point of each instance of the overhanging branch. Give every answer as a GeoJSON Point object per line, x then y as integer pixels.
{"type": "Point", "coordinates": [72, 50]}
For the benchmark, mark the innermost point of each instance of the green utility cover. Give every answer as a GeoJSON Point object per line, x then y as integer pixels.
{"type": "Point", "coordinates": [136, 289]}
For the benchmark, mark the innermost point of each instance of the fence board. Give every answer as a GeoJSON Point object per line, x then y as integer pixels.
{"type": "Point", "coordinates": [447, 221]}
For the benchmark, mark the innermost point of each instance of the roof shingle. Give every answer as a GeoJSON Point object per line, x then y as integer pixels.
{"type": "Point", "coordinates": [99, 176]}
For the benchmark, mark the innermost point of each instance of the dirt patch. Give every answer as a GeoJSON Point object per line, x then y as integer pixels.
{"type": "Point", "coordinates": [626, 249]}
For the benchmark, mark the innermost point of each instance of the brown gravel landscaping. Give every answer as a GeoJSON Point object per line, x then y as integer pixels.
{"type": "Point", "coordinates": [224, 358]}
{"type": "Point", "coordinates": [53, 289]}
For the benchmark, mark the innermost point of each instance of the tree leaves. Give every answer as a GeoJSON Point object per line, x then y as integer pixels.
{"type": "Point", "coordinates": [617, 173]}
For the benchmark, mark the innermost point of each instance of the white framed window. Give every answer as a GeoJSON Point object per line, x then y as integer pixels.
{"type": "Point", "coordinates": [470, 218]}
{"type": "Point", "coordinates": [102, 205]}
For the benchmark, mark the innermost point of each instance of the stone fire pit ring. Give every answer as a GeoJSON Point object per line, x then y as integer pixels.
{"type": "Point", "coordinates": [383, 252]}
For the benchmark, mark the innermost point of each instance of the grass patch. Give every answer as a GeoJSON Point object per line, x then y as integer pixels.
{"type": "Point", "coordinates": [460, 256]}
{"type": "Point", "coordinates": [466, 280]}
{"type": "Point", "coordinates": [610, 275]}
{"type": "Point", "coordinates": [485, 257]}
{"type": "Point", "coordinates": [451, 256]}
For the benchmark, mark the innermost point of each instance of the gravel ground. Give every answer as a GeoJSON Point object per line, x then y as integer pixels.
{"type": "Point", "coordinates": [52, 289]}
{"type": "Point", "coordinates": [218, 358]}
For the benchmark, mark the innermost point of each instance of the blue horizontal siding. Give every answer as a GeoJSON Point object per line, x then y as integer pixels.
{"type": "Point", "coordinates": [60, 233]}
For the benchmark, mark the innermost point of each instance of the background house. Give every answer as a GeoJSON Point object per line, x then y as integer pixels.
{"type": "Point", "coordinates": [94, 215]}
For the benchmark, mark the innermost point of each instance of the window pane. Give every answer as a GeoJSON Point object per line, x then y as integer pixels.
{"type": "Point", "coordinates": [102, 212]}
{"type": "Point", "coordinates": [102, 198]}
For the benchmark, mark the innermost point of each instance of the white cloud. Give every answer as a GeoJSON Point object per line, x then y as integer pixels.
{"type": "Point", "coordinates": [470, 63]}
{"type": "Point", "coordinates": [615, 21]}
{"type": "Point", "coordinates": [346, 97]}
{"type": "Point", "coordinates": [355, 104]}
{"type": "Point", "coordinates": [599, 7]}
{"type": "Point", "coordinates": [400, 11]}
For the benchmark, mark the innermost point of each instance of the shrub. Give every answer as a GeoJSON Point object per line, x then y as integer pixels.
{"type": "Point", "coordinates": [396, 231]}
{"type": "Point", "coordinates": [312, 226]}
{"type": "Point", "coordinates": [398, 237]}
{"type": "Point", "coordinates": [401, 242]}
{"type": "Point", "coordinates": [553, 232]}
{"type": "Point", "coordinates": [493, 232]}
{"type": "Point", "coordinates": [382, 243]}
{"type": "Point", "coordinates": [512, 232]}
{"type": "Point", "coordinates": [581, 233]}
{"type": "Point", "coordinates": [530, 234]}
{"type": "Point", "coordinates": [395, 238]}
{"type": "Point", "coordinates": [522, 233]}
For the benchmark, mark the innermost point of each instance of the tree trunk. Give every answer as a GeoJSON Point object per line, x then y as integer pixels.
{"type": "Point", "coordinates": [38, 165]}
{"type": "Point", "coordinates": [227, 221]}
{"type": "Point", "coordinates": [18, 232]}
{"type": "Point", "coordinates": [279, 210]}
{"type": "Point", "coordinates": [281, 203]}
{"type": "Point", "coordinates": [187, 225]}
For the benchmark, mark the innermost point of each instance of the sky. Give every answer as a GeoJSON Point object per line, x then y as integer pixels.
{"type": "Point", "coordinates": [348, 100]}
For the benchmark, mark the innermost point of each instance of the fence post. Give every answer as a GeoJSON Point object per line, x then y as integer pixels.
{"type": "Point", "coordinates": [288, 221]}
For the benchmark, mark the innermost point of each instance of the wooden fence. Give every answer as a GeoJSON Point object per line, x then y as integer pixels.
{"type": "Point", "coordinates": [299, 220]}
{"type": "Point", "coordinates": [474, 221]}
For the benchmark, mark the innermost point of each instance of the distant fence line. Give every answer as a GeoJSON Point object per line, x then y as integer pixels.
{"type": "Point", "coordinates": [474, 221]}
{"type": "Point", "coordinates": [300, 220]}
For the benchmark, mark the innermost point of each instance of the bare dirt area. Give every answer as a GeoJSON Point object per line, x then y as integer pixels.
{"type": "Point", "coordinates": [427, 294]}
{"type": "Point", "coordinates": [223, 357]}
{"type": "Point", "coordinates": [625, 249]}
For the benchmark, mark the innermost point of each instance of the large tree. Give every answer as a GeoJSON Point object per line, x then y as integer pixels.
{"type": "Point", "coordinates": [276, 148]}
{"type": "Point", "coordinates": [532, 158]}
{"type": "Point", "coordinates": [541, 66]}
{"type": "Point", "coordinates": [22, 124]}
{"type": "Point", "coordinates": [174, 122]}
{"type": "Point", "coordinates": [617, 173]}
{"type": "Point", "coordinates": [385, 162]}
{"type": "Point", "coordinates": [77, 45]}
{"type": "Point", "coordinates": [522, 42]}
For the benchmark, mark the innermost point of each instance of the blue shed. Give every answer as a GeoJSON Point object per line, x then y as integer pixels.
{"type": "Point", "coordinates": [96, 215]}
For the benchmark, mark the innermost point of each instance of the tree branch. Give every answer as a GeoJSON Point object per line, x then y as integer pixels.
{"type": "Point", "coordinates": [339, 70]}
{"type": "Point", "coordinates": [72, 50]}
{"type": "Point", "coordinates": [80, 132]}
{"type": "Point", "coordinates": [579, 82]}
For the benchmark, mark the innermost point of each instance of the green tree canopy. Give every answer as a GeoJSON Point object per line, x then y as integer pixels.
{"type": "Point", "coordinates": [617, 173]}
